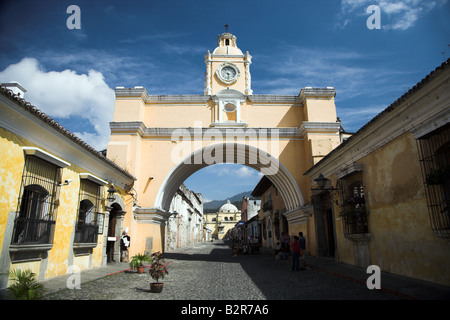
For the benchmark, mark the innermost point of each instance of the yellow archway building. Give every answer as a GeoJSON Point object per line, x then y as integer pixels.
{"type": "Point", "coordinates": [163, 139]}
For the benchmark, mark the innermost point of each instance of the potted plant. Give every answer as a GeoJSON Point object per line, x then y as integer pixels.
{"type": "Point", "coordinates": [158, 270]}
{"type": "Point", "coordinates": [137, 261]}
{"type": "Point", "coordinates": [25, 286]}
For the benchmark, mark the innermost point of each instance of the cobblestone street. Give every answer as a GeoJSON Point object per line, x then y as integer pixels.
{"type": "Point", "coordinates": [208, 271]}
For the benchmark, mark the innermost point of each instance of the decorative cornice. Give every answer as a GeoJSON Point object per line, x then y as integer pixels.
{"type": "Point", "coordinates": [299, 215]}
{"type": "Point", "coordinates": [141, 93]}
{"type": "Point", "coordinates": [223, 125]}
{"type": "Point", "coordinates": [438, 120]}
{"type": "Point", "coordinates": [139, 128]}
{"type": "Point", "coordinates": [318, 127]}
{"type": "Point", "coordinates": [354, 167]}
{"type": "Point", "coordinates": [318, 93]}
{"type": "Point", "coordinates": [151, 215]}
{"type": "Point", "coordinates": [276, 99]}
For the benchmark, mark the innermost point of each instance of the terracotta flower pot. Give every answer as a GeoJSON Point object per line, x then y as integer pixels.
{"type": "Point", "coordinates": [156, 287]}
{"type": "Point", "coordinates": [141, 269]}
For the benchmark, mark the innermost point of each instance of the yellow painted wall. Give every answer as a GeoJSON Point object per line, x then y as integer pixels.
{"type": "Point", "coordinates": [402, 241]}
{"type": "Point", "coordinates": [318, 110]}
{"type": "Point", "coordinates": [11, 170]}
{"type": "Point", "coordinates": [147, 230]}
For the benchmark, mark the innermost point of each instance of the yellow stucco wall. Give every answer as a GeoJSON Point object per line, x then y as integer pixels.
{"type": "Point", "coordinates": [402, 241]}
{"type": "Point", "coordinates": [11, 170]}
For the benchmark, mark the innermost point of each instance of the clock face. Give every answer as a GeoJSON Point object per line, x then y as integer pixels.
{"type": "Point", "coordinates": [228, 73]}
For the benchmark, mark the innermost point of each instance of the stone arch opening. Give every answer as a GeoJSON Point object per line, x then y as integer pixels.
{"type": "Point", "coordinates": [243, 154]}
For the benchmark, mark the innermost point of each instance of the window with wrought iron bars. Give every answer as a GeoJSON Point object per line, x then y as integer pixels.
{"type": "Point", "coordinates": [89, 206]}
{"type": "Point", "coordinates": [353, 204]}
{"type": "Point", "coordinates": [36, 209]}
{"type": "Point", "coordinates": [434, 154]}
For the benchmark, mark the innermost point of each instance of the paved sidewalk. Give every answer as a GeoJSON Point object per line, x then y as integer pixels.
{"type": "Point", "coordinates": [402, 287]}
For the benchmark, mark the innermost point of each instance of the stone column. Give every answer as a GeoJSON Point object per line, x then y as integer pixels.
{"type": "Point", "coordinates": [118, 232]}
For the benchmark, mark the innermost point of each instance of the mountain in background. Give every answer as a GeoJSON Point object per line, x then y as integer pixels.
{"type": "Point", "coordinates": [213, 206]}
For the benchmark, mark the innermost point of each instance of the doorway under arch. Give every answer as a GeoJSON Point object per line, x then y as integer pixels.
{"type": "Point", "coordinates": [114, 232]}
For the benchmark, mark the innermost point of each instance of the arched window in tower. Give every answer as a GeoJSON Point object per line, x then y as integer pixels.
{"type": "Point", "coordinates": [227, 42]}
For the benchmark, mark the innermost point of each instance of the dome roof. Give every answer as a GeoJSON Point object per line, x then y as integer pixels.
{"type": "Point", "coordinates": [226, 45]}
{"type": "Point", "coordinates": [228, 207]}
{"type": "Point", "coordinates": [227, 50]}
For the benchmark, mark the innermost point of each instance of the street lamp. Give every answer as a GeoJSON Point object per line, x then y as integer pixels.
{"type": "Point", "coordinates": [321, 183]}
{"type": "Point", "coordinates": [111, 192]}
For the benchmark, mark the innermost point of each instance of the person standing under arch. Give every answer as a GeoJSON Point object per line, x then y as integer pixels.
{"type": "Point", "coordinates": [302, 241]}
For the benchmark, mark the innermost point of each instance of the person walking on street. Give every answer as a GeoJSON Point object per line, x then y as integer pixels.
{"type": "Point", "coordinates": [295, 251]}
{"type": "Point", "coordinates": [302, 241]}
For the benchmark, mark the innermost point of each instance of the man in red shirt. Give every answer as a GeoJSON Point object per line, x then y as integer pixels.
{"type": "Point", "coordinates": [295, 250]}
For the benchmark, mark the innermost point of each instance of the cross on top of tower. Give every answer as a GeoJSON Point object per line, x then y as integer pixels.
{"type": "Point", "coordinates": [226, 28]}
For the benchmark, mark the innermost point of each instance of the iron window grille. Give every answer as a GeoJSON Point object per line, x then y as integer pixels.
{"type": "Point", "coordinates": [434, 155]}
{"type": "Point", "coordinates": [87, 227]}
{"type": "Point", "coordinates": [36, 209]}
{"type": "Point", "coordinates": [353, 205]}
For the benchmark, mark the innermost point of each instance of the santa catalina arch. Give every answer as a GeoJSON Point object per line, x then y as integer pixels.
{"type": "Point", "coordinates": [163, 139]}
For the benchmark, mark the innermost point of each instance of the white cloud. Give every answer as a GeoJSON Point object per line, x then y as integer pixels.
{"type": "Point", "coordinates": [245, 172]}
{"type": "Point", "coordinates": [395, 15]}
{"type": "Point", "coordinates": [355, 75]}
{"type": "Point", "coordinates": [232, 170]}
{"type": "Point", "coordinates": [350, 72]}
{"type": "Point", "coordinates": [66, 94]}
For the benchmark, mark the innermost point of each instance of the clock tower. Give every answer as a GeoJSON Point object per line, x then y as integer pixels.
{"type": "Point", "coordinates": [227, 67]}
{"type": "Point", "coordinates": [227, 80]}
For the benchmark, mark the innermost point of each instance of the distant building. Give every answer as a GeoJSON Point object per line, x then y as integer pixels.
{"type": "Point", "coordinates": [271, 219]}
{"type": "Point", "coordinates": [249, 216]}
{"type": "Point", "coordinates": [222, 221]}
{"type": "Point", "coordinates": [186, 225]}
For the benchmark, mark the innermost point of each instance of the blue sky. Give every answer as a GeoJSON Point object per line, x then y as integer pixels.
{"type": "Point", "coordinates": [71, 73]}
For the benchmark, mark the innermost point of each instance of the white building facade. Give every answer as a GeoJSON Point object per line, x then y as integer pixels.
{"type": "Point", "coordinates": [186, 225]}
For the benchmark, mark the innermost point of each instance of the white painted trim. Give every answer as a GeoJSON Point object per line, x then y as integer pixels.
{"type": "Point", "coordinates": [33, 151]}
{"type": "Point", "coordinates": [93, 178]}
{"type": "Point", "coordinates": [151, 215]}
{"type": "Point", "coordinates": [437, 121]}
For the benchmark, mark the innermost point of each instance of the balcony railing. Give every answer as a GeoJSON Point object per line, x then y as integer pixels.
{"type": "Point", "coordinates": [355, 221]}
{"type": "Point", "coordinates": [86, 233]}
{"type": "Point", "coordinates": [267, 205]}
{"type": "Point", "coordinates": [33, 231]}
